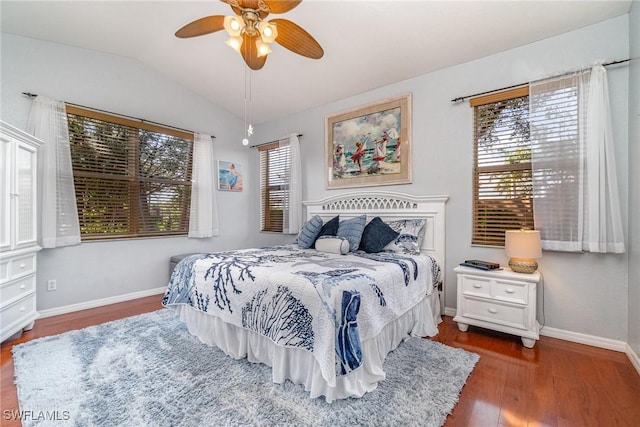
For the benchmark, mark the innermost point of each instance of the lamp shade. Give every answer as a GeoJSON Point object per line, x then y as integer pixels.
{"type": "Point", "coordinates": [522, 244]}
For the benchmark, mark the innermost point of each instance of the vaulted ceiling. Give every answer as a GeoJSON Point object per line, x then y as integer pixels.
{"type": "Point", "coordinates": [367, 44]}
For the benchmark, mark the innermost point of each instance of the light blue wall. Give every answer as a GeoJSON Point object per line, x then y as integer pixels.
{"type": "Point", "coordinates": [100, 270]}
{"type": "Point", "coordinates": [583, 293]}
{"type": "Point", "coordinates": [634, 179]}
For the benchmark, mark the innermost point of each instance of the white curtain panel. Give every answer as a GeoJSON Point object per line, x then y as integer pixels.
{"type": "Point", "coordinates": [203, 215]}
{"type": "Point", "coordinates": [58, 213]}
{"type": "Point", "coordinates": [575, 191]}
{"type": "Point", "coordinates": [292, 217]}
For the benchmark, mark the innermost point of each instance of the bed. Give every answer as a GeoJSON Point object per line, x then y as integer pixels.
{"type": "Point", "coordinates": [323, 318]}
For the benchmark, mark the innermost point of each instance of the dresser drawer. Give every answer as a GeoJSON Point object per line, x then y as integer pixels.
{"type": "Point", "coordinates": [14, 290]}
{"type": "Point", "coordinates": [16, 312]}
{"type": "Point", "coordinates": [490, 311]}
{"type": "Point", "coordinates": [21, 266]}
{"type": "Point", "coordinates": [4, 270]}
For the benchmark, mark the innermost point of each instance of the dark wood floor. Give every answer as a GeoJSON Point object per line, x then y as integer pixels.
{"type": "Point", "coordinates": [557, 383]}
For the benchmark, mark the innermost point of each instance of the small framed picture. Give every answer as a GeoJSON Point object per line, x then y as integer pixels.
{"type": "Point", "coordinates": [229, 176]}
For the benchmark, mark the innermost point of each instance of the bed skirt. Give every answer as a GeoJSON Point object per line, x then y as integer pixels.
{"type": "Point", "coordinates": [299, 366]}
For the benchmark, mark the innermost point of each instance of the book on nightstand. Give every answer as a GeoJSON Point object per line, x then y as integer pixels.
{"type": "Point", "coordinates": [483, 265]}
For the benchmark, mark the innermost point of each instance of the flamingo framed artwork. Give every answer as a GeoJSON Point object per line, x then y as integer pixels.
{"type": "Point", "coordinates": [369, 145]}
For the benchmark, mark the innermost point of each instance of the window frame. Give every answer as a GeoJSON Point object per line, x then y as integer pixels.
{"type": "Point", "coordinates": [134, 178]}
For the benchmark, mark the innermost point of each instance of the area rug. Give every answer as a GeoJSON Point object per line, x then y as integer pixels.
{"type": "Point", "coordinates": [147, 370]}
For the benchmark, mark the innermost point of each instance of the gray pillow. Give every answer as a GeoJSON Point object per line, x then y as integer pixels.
{"type": "Point", "coordinates": [411, 234]}
{"type": "Point", "coordinates": [309, 232]}
{"type": "Point", "coordinates": [351, 229]}
{"type": "Point", "coordinates": [333, 244]}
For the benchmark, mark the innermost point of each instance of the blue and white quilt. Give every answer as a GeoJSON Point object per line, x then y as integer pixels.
{"type": "Point", "coordinates": [324, 303]}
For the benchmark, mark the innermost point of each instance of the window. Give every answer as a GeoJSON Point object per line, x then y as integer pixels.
{"type": "Point", "coordinates": [502, 182]}
{"type": "Point", "coordinates": [274, 188]}
{"type": "Point", "coordinates": [132, 179]}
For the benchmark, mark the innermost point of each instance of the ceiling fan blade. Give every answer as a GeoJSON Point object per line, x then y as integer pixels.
{"type": "Point", "coordinates": [202, 26]}
{"type": "Point", "coordinates": [249, 52]}
{"type": "Point", "coordinates": [296, 39]}
{"type": "Point", "coordinates": [281, 6]}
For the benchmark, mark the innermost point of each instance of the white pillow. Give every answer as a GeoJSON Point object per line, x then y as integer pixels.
{"type": "Point", "coordinates": [332, 244]}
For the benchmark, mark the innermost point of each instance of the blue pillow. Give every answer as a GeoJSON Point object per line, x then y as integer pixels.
{"type": "Point", "coordinates": [377, 234]}
{"type": "Point", "coordinates": [351, 229]}
{"type": "Point", "coordinates": [309, 232]}
{"type": "Point", "coordinates": [330, 228]}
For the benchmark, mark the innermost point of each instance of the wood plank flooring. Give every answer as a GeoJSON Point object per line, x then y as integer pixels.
{"type": "Point", "coordinates": [557, 383]}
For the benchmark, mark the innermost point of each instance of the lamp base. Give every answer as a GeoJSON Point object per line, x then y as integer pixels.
{"type": "Point", "coordinates": [523, 265]}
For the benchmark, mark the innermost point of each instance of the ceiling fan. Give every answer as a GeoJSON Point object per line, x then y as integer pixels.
{"type": "Point", "coordinates": [251, 35]}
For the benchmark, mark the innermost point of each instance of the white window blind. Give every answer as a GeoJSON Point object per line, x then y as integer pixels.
{"type": "Point", "coordinates": [274, 160]}
{"type": "Point", "coordinates": [502, 186]}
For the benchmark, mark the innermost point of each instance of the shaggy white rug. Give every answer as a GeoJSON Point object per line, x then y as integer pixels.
{"type": "Point", "coordinates": [147, 370]}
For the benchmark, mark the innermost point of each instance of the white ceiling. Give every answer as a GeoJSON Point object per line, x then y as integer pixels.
{"type": "Point", "coordinates": [367, 44]}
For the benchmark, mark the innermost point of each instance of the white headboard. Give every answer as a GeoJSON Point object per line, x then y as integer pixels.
{"type": "Point", "coordinates": [389, 206]}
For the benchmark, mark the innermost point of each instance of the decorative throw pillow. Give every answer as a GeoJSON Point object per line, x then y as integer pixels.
{"type": "Point", "coordinates": [376, 235]}
{"type": "Point", "coordinates": [330, 228]}
{"type": "Point", "coordinates": [333, 244]}
{"type": "Point", "coordinates": [352, 229]}
{"type": "Point", "coordinates": [410, 237]}
{"type": "Point", "coordinates": [309, 232]}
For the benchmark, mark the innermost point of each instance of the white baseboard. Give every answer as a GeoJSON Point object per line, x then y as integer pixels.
{"type": "Point", "coordinates": [100, 302]}
{"type": "Point", "coordinates": [579, 338]}
{"type": "Point", "coordinates": [591, 340]}
{"type": "Point", "coordinates": [633, 357]}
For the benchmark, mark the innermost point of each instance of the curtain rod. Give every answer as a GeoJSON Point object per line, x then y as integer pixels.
{"type": "Point", "coordinates": [271, 142]}
{"type": "Point", "coordinates": [462, 98]}
{"type": "Point", "coordinates": [33, 95]}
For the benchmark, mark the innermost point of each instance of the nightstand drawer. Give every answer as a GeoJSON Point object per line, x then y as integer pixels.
{"type": "Point", "coordinates": [17, 289]}
{"type": "Point", "coordinates": [489, 311]}
{"type": "Point", "coordinates": [479, 286]}
{"type": "Point", "coordinates": [510, 291]}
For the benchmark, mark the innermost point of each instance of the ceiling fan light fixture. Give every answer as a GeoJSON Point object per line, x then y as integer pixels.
{"type": "Point", "coordinates": [262, 48]}
{"type": "Point", "coordinates": [234, 25]}
{"type": "Point", "coordinates": [268, 31]}
{"type": "Point", "coordinates": [235, 43]}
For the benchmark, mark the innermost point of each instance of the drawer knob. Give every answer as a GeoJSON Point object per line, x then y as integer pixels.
{"type": "Point", "coordinates": [493, 310]}
{"type": "Point", "coordinates": [22, 286]}
{"type": "Point", "coordinates": [23, 265]}
{"type": "Point", "coordinates": [22, 308]}
{"type": "Point", "coordinates": [477, 285]}
{"type": "Point", "coordinates": [509, 290]}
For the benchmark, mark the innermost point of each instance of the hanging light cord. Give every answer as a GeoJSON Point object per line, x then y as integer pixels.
{"type": "Point", "coordinates": [247, 100]}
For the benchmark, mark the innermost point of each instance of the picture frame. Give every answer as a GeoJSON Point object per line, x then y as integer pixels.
{"type": "Point", "coordinates": [229, 176]}
{"type": "Point", "coordinates": [369, 145]}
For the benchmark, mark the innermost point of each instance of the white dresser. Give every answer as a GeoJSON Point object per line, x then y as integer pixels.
{"type": "Point", "coordinates": [18, 229]}
{"type": "Point", "coordinates": [501, 300]}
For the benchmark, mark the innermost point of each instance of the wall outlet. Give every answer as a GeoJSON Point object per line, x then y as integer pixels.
{"type": "Point", "coordinates": [51, 285]}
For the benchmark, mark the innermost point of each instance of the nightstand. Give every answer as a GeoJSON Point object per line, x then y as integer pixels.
{"type": "Point", "coordinates": [500, 300]}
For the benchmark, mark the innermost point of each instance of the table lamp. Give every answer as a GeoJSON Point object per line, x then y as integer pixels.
{"type": "Point", "coordinates": [523, 247]}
